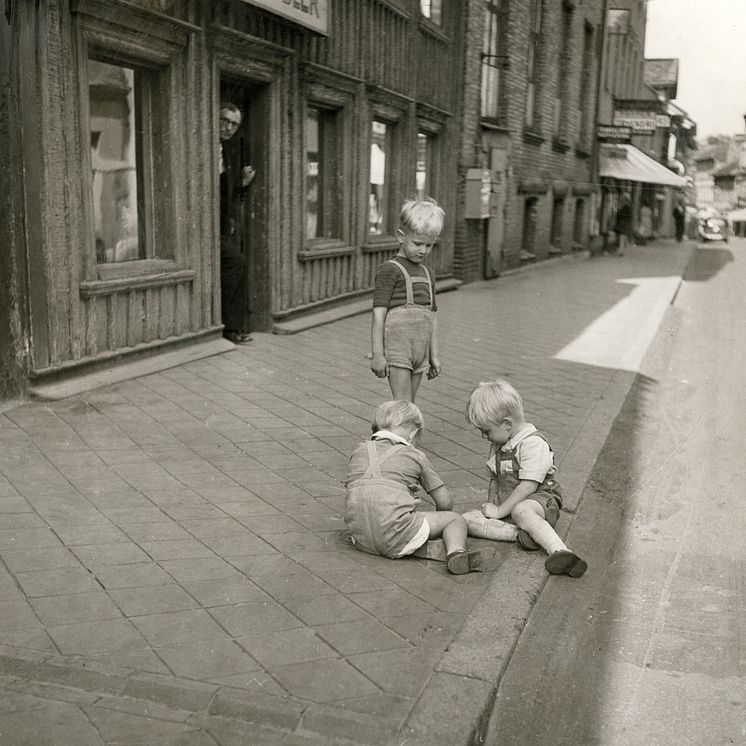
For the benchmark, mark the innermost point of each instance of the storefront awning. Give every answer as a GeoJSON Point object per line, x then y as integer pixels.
{"type": "Point", "coordinates": [627, 163]}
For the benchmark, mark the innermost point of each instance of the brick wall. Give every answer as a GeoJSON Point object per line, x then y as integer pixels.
{"type": "Point", "coordinates": [538, 166]}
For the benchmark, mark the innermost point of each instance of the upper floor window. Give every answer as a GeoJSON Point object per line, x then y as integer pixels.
{"type": "Point", "coordinates": [617, 21]}
{"type": "Point", "coordinates": [431, 9]}
{"type": "Point", "coordinates": [494, 58]}
{"type": "Point", "coordinates": [561, 111]}
{"type": "Point", "coordinates": [424, 165]}
{"type": "Point", "coordinates": [532, 72]}
{"type": "Point", "coordinates": [322, 173]}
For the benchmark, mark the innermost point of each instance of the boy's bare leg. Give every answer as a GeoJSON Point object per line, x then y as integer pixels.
{"type": "Point", "coordinates": [481, 527]}
{"type": "Point", "coordinates": [400, 381]}
{"type": "Point", "coordinates": [416, 379]}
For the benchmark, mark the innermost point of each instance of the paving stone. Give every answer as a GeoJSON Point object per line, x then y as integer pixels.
{"type": "Point", "coordinates": [193, 569]}
{"type": "Point", "coordinates": [81, 535]}
{"type": "Point", "coordinates": [252, 680]}
{"type": "Point", "coordinates": [238, 545]}
{"type": "Point", "coordinates": [27, 538]}
{"type": "Point", "coordinates": [159, 531]}
{"type": "Point", "coordinates": [124, 727]}
{"type": "Point", "coordinates": [65, 580]}
{"type": "Point", "coordinates": [275, 564]}
{"type": "Point", "coordinates": [366, 635]}
{"type": "Point", "coordinates": [42, 558]}
{"type": "Point", "coordinates": [225, 592]}
{"type": "Point", "coordinates": [280, 647]}
{"type": "Point", "coordinates": [177, 693]}
{"type": "Point", "coordinates": [31, 637]}
{"type": "Point", "coordinates": [399, 671]}
{"type": "Point", "coordinates": [119, 553]}
{"type": "Point", "coordinates": [139, 575]}
{"type": "Point", "coordinates": [257, 707]}
{"type": "Point", "coordinates": [246, 619]}
{"type": "Point", "coordinates": [152, 599]}
{"type": "Point", "coordinates": [173, 627]}
{"type": "Point", "coordinates": [85, 638]}
{"type": "Point", "coordinates": [49, 720]}
{"type": "Point", "coordinates": [75, 607]}
{"type": "Point", "coordinates": [387, 603]}
{"type": "Point", "coordinates": [323, 680]}
{"type": "Point", "coordinates": [168, 550]}
{"type": "Point", "coordinates": [207, 659]}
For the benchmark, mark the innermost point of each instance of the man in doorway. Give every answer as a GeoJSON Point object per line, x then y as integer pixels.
{"type": "Point", "coordinates": [235, 179]}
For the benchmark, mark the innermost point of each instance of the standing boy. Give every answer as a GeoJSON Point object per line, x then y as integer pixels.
{"type": "Point", "coordinates": [523, 484]}
{"type": "Point", "coordinates": [404, 329]}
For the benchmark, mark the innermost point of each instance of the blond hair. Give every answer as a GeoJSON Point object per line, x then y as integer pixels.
{"type": "Point", "coordinates": [491, 401]}
{"type": "Point", "coordinates": [423, 216]}
{"type": "Point", "coordinates": [397, 413]}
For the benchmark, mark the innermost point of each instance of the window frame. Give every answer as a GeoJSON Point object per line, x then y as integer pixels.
{"type": "Point", "coordinates": [324, 89]}
{"type": "Point", "coordinates": [393, 110]}
{"type": "Point", "coordinates": [494, 57]}
{"type": "Point", "coordinates": [534, 59]}
{"type": "Point", "coordinates": [102, 33]}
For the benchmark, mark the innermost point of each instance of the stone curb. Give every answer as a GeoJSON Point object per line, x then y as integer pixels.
{"type": "Point", "coordinates": [482, 648]}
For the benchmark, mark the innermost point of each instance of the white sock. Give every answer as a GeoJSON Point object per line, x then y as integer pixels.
{"type": "Point", "coordinates": [542, 533]}
{"type": "Point", "coordinates": [481, 527]}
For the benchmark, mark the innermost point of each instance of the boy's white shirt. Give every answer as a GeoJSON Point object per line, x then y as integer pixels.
{"type": "Point", "coordinates": [388, 435]}
{"type": "Point", "coordinates": [536, 457]}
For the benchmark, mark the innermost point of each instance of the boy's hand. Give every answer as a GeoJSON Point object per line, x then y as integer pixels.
{"type": "Point", "coordinates": [379, 366]}
{"type": "Point", "coordinates": [490, 510]}
{"type": "Point", "coordinates": [434, 370]}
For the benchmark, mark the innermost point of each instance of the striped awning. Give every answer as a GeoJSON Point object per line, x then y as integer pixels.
{"type": "Point", "coordinates": [627, 163]}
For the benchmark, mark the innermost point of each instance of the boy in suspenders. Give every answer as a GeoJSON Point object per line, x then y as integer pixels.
{"type": "Point", "coordinates": [523, 486]}
{"type": "Point", "coordinates": [384, 476]}
{"type": "Point", "coordinates": [404, 337]}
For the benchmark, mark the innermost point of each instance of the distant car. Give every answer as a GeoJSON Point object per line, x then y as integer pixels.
{"type": "Point", "coordinates": [713, 229]}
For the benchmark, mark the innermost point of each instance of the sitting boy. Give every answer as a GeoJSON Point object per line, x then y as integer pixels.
{"type": "Point", "coordinates": [523, 484]}
{"type": "Point", "coordinates": [385, 473]}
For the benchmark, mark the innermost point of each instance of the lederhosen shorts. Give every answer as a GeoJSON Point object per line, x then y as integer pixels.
{"type": "Point", "coordinates": [408, 328]}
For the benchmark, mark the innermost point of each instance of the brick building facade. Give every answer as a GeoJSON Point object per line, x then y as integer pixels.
{"type": "Point", "coordinates": [530, 82]}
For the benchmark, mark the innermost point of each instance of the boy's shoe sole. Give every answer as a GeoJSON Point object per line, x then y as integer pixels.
{"type": "Point", "coordinates": [565, 562]}
{"type": "Point", "coordinates": [459, 563]}
{"type": "Point", "coordinates": [525, 540]}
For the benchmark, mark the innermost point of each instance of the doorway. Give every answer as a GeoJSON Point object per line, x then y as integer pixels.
{"type": "Point", "coordinates": [248, 206]}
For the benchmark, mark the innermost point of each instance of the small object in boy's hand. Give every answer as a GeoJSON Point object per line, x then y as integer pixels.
{"type": "Point", "coordinates": [432, 373]}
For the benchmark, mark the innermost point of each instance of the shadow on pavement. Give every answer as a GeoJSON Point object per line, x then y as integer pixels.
{"type": "Point", "coordinates": [707, 262]}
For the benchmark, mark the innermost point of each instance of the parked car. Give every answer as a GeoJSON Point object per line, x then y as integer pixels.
{"type": "Point", "coordinates": [713, 229]}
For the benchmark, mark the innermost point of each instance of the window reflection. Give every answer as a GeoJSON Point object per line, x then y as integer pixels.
{"type": "Point", "coordinates": [313, 197]}
{"type": "Point", "coordinates": [378, 188]}
{"type": "Point", "coordinates": [114, 158]}
{"type": "Point", "coordinates": [431, 9]}
{"type": "Point", "coordinates": [421, 174]}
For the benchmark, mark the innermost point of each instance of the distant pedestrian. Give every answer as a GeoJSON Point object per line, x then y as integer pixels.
{"type": "Point", "coordinates": [404, 336]}
{"type": "Point", "coordinates": [385, 473]}
{"type": "Point", "coordinates": [679, 219]}
{"type": "Point", "coordinates": [623, 224]}
{"type": "Point", "coordinates": [523, 485]}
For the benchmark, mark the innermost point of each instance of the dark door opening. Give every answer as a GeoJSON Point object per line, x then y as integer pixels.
{"type": "Point", "coordinates": [246, 210]}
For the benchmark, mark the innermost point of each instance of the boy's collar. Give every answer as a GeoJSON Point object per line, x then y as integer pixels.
{"type": "Point", "coordinates": [388, 435]}
{"type": "Point", "coordinates": [522, 434]}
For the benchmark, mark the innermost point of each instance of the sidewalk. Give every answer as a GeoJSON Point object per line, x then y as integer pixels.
{"type": "Point", "coordinates": [171, 564]}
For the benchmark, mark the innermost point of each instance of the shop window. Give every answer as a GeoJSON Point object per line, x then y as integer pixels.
{"type": "Point", "coordinates": [379, 209]}
{"type": "Point", "coordinates": [431, 9]}
{"type": "Point", "coordinates": [323, 193]}
{"type": "Point", "coordinates": [494, 58]}
{"type": "Point", "coordinates": [128, 161]}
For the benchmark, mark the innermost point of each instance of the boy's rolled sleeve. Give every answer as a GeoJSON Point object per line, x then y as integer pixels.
{"type": "Point", "coordinates": [535, 459]}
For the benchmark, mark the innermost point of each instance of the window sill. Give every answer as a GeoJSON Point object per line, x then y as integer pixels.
{"type": "Point", "coordinates": [582, 152]}
{"type": "Point", "coordinates": [532, 137]}
{"type": "Point", "coordinates": [560, 146]}
{"type": "Point", "coordinates": [494, 124]}
{"type": "Point", "coordinates": [376, 244]}
{"type": "Point", "coordinates": [433, 29]}
{"type": "Point", "coordinates": [118, 282]}
{"type": "Point", "coordinates": [324, 249]}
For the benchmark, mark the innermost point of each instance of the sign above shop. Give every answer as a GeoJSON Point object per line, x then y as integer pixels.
{"type": "Point", "coordinates": [313, 14]}
{"type": "Point", "coordinates": [613, 133]}
{"type": "Point", "coordinates": [641, 122]}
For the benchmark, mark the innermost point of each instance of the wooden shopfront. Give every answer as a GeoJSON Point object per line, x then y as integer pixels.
{"type": "Point", "coordinates": [348, 110]}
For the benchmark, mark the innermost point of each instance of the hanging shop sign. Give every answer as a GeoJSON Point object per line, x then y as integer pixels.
{"type": "Point", "coordinates": [613, 133]}
{"type": "Point", "coordinates": [313, 14]}
{"type": "Point", "coordinates": [641, 122]}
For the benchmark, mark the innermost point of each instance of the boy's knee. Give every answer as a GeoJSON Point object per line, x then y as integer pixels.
{"type": "Point", "coordinates": [521, 512]}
